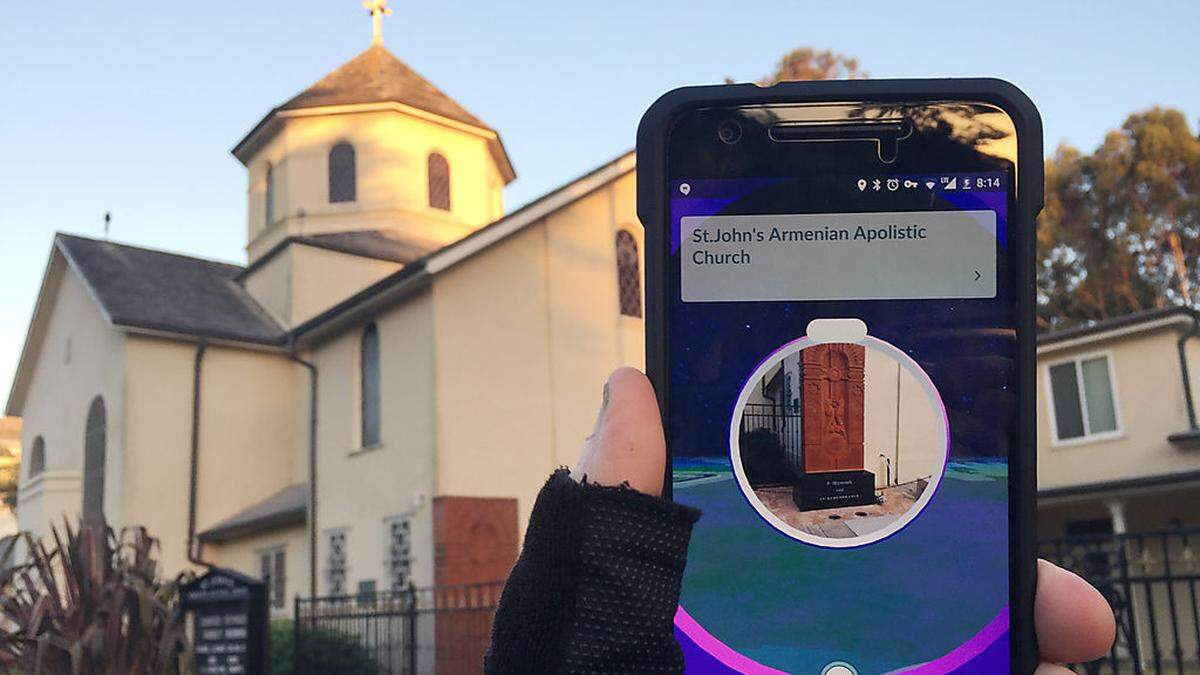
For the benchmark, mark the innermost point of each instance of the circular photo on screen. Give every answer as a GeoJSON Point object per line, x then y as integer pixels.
{"type": "Point", "coordinates": [839, 444]}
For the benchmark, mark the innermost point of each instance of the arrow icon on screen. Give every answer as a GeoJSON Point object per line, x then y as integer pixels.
{"type": "Point", "coordinates": [977, 275]}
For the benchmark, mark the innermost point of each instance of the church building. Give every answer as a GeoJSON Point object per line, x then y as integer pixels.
{"type": "Point", "coordinates": [376, 396]}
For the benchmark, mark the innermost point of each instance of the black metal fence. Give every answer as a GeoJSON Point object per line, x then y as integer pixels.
{"type": "Point", "coordinates": [780, 420]}
{"type": "Point", "coordinates": [441, 629]}
{"type": "Point", "coordinates": [1151, 580]}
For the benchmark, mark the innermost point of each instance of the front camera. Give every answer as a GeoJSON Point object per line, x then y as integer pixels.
{"type": "Point", "coordinates": [729, 132]}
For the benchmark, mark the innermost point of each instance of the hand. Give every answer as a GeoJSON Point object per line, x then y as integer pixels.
{"type": "Point", "coordinates": [1074, 624]}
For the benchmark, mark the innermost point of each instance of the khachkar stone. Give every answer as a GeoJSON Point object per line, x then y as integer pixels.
{"type": "Point", "coordinates": [832, 378]}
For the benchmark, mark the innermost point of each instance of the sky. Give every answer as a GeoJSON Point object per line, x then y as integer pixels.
{"type": "Point", "coordinates": [132, 107]}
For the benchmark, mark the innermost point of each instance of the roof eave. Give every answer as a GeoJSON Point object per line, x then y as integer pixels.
{"type": "Point", "coordinates": [272, 122]}
{"type": "Point", "coordinates": [271, 521]}
{"type": "Point", "coordinates": [1178, 317]}
{"type": "Point", "coordinates": [55, 266]}
{"type": "Point", "coordinates": [254, 139]}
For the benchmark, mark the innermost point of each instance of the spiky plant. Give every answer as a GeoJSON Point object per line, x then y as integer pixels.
{"type": "Point", "coordinates": [91, 604]}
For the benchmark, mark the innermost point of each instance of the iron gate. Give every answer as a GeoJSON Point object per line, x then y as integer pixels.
{"type": "Point", "coordinates": [1150, 579]}
{"type": "Point", "coordinates": [442, 629]}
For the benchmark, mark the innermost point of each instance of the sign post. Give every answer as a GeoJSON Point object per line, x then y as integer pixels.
{"type": "Point", "coordinates": [229, 623]}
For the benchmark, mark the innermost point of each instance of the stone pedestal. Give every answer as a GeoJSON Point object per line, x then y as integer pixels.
{"type": "Point", "coordinates": [834, 489]}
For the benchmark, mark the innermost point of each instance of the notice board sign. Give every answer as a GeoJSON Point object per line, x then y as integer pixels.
{"type": "Point", "coordinates": [229, 623]}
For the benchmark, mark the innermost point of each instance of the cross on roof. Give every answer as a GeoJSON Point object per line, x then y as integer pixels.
{"type": "Point", "coordinates": [378, 9]}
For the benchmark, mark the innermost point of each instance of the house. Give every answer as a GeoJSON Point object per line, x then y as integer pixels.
{"type": "Point", "coordinates": [1118, 438]}
{"type": "Point", "coordinates": [376, 396]}
{"type": "Point", "coordinates": [1119, 475]}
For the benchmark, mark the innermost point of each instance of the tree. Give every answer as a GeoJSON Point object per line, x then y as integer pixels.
{"type": "Point", "coordinates": [1119, 230]}
{"type": "Point", "coordinates": [806, 63]}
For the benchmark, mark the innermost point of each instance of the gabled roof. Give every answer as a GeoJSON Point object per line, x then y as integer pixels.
{"type": "Point", "coordinates": [287, 507]}
{"type": "Point", "coordinates": [374, 76]}
{"type": "Point", "coordinates": [168, 292]}
{"type": "Point", "coordinates": [376, 244]}
{"type": "Point", "coordinates": [377, 76]}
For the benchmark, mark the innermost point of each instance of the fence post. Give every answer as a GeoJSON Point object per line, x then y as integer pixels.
{"type": "Point", "coordinates": [412, 628]}
{"type": "Point", "coordinates": [297, 669]}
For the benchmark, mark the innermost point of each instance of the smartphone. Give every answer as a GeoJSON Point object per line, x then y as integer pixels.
{"type": "Point", "coordinates": [840, 331]}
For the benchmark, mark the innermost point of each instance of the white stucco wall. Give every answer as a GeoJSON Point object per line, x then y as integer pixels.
{"type": "Point", "coordinates": [80, 357]}
{"type": "Point", "coordinates": [321, 279]}
{"type": "Point", "coordinates": [391, 149]}
{"type": "Point", "coordinates": [302, 281]}
{"type": "Point", "coordinates": [1150, 404]}
{"type": "Point", "coordinates": [526, 333]}
{"type": "Point", "coordinates": [252, 435]}
{"type": "Point", "coordinates": [359, 488]}
{"type": "Point", "coordinates": [243, 555]}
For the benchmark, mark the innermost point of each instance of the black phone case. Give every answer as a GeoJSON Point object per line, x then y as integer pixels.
{"type": "Point", "coordinates": [652, 134]}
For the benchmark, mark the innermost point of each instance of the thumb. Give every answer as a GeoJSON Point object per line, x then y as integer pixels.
{"type": "Point", "coordinates": [626, 445]}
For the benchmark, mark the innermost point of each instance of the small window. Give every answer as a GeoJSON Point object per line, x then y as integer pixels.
{"type": "Point", "coordinates": [370, 386]}
{"type": "Point", "coordinates": [439, 182]}
{"type": "Point", "coordinates": [273, 568]}
{"type": "Point", "coordinates": [629, 279]}
{"type": "Point", "coordinates": [1082, 399]}
{"type": "Point", "coordinates": [398, 552]}
{"type": "Point", "coordinates": [342, 174]}
{"type": "Point", "coordinates": [269, 198]}
{"type": "Point", "coordinates": [37, 457]}
{"type": "Point", "coordinates": [366, 592]}
{"type": "Point", "coordinates": [336, 561]}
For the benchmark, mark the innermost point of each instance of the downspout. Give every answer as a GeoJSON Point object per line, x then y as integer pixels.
{"type": "Point", "coordinates": [312, 471]}
{"type": "Point", "coordinates": [193, 545]}
{"type": "Point", "coordinates": [1192, 332]}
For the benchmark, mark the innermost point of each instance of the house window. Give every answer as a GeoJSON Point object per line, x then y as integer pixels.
{"type": "Point", "coordinates": [342, 177]}
{"type": "Point", "coordinates": [369, 381]}
{"type": "Point", "coordinates": [94, 450]}
{"type": "Point", "coordinates": [273, 567]}
{"type": "Point", "coordinates": [269, 199]}
{"type": "Point", "coordinates": [439, 181]}
{"type": "Point", "coordinates": [1082, 399]}
{"type": "Point", "coordinates": [629, 280]}
{"type": "Point", "coordinates": [397, 552]}
{"type": "Point", "coordinates": [366, 592]}
{"type": "Point", "coordinates": [336, 561]}
{"type": "Point", "coordinates": [37, 457]}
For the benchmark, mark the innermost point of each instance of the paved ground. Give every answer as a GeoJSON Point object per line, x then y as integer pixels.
{"type": "Point", "coordinates": [846, 521]}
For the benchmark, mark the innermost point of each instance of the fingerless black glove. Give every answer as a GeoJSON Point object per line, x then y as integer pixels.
{"type": "Point", "coordinates": [596, 586]}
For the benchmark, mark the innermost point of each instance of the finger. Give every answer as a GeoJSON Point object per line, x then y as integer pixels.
{"type": "Point", "coordinates": [1052, 669]}
{"type": "Point", "coordinates": [1074, 623]}
{"type": "Point", "coordinates": [627, 444]}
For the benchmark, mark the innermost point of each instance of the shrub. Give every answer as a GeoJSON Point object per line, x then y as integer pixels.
{"type": "Point", "coordinates": [322, 651]}
{"type": "Point", "coordinates": [763, 459]}
{"type": "Point", "coordinates": [91, 604]}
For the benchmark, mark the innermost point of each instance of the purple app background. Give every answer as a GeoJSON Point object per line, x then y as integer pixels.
{"type": "Point", "coordinates": [755, 601]}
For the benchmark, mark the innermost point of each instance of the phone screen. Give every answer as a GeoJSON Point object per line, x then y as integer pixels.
{"type": "Point", "coordinates": [842, 400]}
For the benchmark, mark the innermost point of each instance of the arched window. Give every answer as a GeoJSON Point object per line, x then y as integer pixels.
{"type": "Point", "coordinates": [37, 457]}
{"type": "Point", "coordinates": [370, 386]}
{"type": "Point", "coordinates": [269, 199]}
{"type": "Point", "coordinates": [629, 280]}
{"type": "Point", "coordinates": [95, 441]}
{"type": "Point", "coordinates": [343, 182]}
{"type": "Point", "coordinates": [439, 182]}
